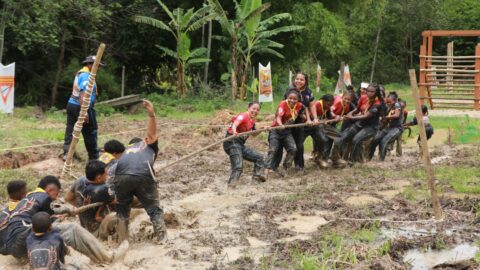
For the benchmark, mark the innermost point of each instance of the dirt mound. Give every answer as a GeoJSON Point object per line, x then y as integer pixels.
{"type": "Point", "coordinates": [222, 117]}
{"type": "Point", "coordinates": [14, 160]}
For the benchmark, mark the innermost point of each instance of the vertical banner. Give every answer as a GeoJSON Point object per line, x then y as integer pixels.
{"type": "Point", "coordinates": [346, 76]}
{"type": "Point", "coordinates": [319, 77]}
{"type": "Point", "coordinates": [265, 89]}
{"type": "Point", "coordinates": [290, 75]}
{"type": "Point", "coordinates": [347, 80]}
{"type": "Point", "coordinates": [7, 84]}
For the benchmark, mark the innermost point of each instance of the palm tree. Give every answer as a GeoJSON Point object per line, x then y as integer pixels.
{"type": "Point", "coordinates": [258, 40]}
{"type": "Point", "coordinates": [181, 23]}
{"type": "Point", "coordinates": [245, 12]}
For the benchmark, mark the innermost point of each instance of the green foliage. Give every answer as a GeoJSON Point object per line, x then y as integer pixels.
{"type": "Point", "coordinates": [29, 176]}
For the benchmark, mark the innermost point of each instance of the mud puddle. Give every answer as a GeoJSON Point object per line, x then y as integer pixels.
{"type": "Point", "coordinates": [426, 260]}
{"type": "Point", "coordinates": [362, 200]}
{"type": "Point", "coordinates": [302, 224]}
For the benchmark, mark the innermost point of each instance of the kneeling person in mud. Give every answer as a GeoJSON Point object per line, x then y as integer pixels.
{"type": "Point", "coordinates": [134, 176]}
{"type": "Point", "coordinates": [236, 148]}
{"type": "Point", "coordinates": [89, 189]}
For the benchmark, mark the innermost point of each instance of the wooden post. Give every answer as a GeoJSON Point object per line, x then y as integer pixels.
{"type": "Point", "coordinates": [123, 81]}
{"type": "Point", "coordinates": [476, 93]}
{"type": "Point", "coordinates": [422, 72]}
{"type": "Point", "coordinates": [450, 64]}
{"type": "Point", "coordinates": [425, 153]}
{"type": "Point", "coordinates": [83, 112]}
{"type": "Point", "coordinates": [319, 77]}
{"type": "Point", "coordinates": [289, 78]}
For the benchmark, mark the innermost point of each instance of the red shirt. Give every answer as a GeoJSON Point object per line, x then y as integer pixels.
{"type": "Point", "coordinates": [321, 112]}
{"type": "Point", "coordinates": [286, 113]}
{"type": "Point", "coordinates": [363, 103]}
{"type": "Point", "coordinates": [338, 108]}
{"type": "Point", "coordinates": [245, 123]}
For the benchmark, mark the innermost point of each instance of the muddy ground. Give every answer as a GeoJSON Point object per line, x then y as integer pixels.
{"type": "Point", "coordinates": [267, 225]}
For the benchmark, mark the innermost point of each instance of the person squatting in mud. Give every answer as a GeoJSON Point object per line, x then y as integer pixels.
{"type": "Point", "coordinates": [287, 113]}
{"type": "Point", "coordinates": [134, 176]}
{"type": "Point", "coordinates": [45, 246]}
{"type": "Point", "coordinates": [392, 128]}
{"type": "Point", "coordinates": [19, 222]}
{"type": "Point", "coordinates": [366, 123]}
{"type": "Point", "coordinates": [236, 149]}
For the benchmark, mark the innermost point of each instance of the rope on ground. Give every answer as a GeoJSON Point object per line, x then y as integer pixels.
{"type": "Point", "coordinates": [393, 221]}
{"type": "Point", "coordinates": [105, 135]}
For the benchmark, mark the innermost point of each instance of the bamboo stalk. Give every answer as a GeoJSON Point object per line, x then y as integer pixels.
{"type": "Point", "coordinates": [83, 111]}
{"type": "Point", "coordinates": [425, 153]}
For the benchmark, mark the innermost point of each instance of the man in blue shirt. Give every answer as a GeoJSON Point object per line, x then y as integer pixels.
{"type": "Point", "coordinates": [89, 129]}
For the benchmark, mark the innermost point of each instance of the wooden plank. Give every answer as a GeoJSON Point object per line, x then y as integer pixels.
{"type": "Point", "coordinates": [450, 70]}
{"type": "Point", "coordinates": [471, 75]}
{"type": "Point", "coordinates": [455, 107]}
{"type": "Point", "coordinates": [446, 33]}
{"type": "Point", "coordinates": [448, 98]}
{"type": "Point", "coordinates": [446, 85]}
{"type": "Point", "coordinates": [423, 78]}
{"type": "Point", "coordinates": [476, 94]}
{"type": "Point", "coordinates": [425, 153]}
{"type": "Point", "coordinates": [462, 57]}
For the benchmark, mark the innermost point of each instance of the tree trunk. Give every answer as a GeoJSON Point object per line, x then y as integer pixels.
{"type": "Point", "coordinates": [233, 78]}
{"type": "Point", "coordinates": [411, 51]}
{"type": "Point", "coordinates": [209, 48]}
{"type": "Point", "coordinates": [180, 79]}
{"type": "Point", "coordinates": [61, 56]}
{"type": "Point", "coordinates": [243, 80]}
{"type": "Point", "coordinates": [375, 53]}
{"type": "Point", "coordinates": [3, 25]}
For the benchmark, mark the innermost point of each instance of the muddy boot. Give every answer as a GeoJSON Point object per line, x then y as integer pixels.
{"type": "Point", "coordinates": [339, 163]}
{"type": "Point", "coordinates": [323, 164]}
{"type": "Point", "coordinates": [159, 233]}
{"type": "Point", "coordinates": [274, 174]}
{"type": "Point", "coordinates": [234, 177]}
{"type": "Point", "coordinates": [287, 163]}
{"type": "Point", "coordinates": [119, 254]}
{"type": "Point", "coordinates": [258, 174]}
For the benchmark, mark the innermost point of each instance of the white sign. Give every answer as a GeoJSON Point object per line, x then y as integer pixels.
{"type": "Point", "coordinates": [7, 87]}
{"type": "Point", "coordinates": [265, 89]}
{"type": "Point", "coordinates": [346, 79]}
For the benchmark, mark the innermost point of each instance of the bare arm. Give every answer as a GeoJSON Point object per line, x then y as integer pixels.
{"type": "Point", "coordinates": [152, 122]}
{"type": "Point", "coordinates": [70, 198]}
{"type": "Point", "coordinates": [395, 115]}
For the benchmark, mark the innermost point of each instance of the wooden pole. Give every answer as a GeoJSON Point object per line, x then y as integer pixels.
{"type": "Point", "coordinates": [423, 66]}
{"type": "Point", "coordinates": [83, 111]}
{"type": "Point", "coordinates": [450, 68]}
{"type": "Point", "coordinates": [231, 138]}
{"type": "Point", "coordinates": [476, 93]}
{"type": "Point", "coordinates": [123, 81]}
{"type": "Point", "coordinates": [425, 153]}
{"type": "Point", "coordinates": [319, 77]}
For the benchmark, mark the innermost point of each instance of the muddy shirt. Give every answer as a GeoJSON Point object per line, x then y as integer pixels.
{"type": "Point", "coordinates": [4, 217]}
{"type": "Point", "coordinates": [46, 251]}
{"type": "Point", "coordinates": [94, 193]}
{"type": "Point", "coordinates": [137, 159]}
{"type": "Point", "coordinates": [397, 123]}
{"type": "Point", "coordinates": [111, 162]}
{"type": "Point", "coordinates": [373, 121]}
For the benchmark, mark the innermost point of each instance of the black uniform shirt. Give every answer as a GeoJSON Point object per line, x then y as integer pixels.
{"type": "Point", "coordinates": [46, 251]}
{"type": "Point", "coordinates": [137, 158]}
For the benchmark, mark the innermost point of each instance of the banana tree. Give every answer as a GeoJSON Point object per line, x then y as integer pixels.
{"type": "Point", "coordinates": [257, 36]}
{"type": "Point", "coordinates": [181, 23]}
{"type": "Point", "coordinates": [245, 12]}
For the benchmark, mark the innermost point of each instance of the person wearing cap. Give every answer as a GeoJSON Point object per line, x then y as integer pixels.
{"type": "Point", "coordinates": [89, 129]}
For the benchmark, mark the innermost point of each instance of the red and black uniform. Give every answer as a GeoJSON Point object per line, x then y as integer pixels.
{"type": "Point", "coordinates": [321, 143]}
{"type": "Point", "coordinates": [237, 150]}
{"type": "Point", "coordinates": [388, 134]}
{"type": "Point", "coordinates": [279, 139]}
{"type": "Point", "coordinates": [340, 109]}
{"type": "Point", "coordinates": [362, 129]}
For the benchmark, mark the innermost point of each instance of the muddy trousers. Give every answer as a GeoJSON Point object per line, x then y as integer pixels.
{"type": "Point", "coordinates": [83, 241]}
{"type": "Point", "coordinates": [299, 137]}
{"type": "Point", "coordinates": [89, 130]}
{"type": "Point", "coordinates": [358, 139]}
{"type": "Point", "coordinates": [382, 139]}
{"type": "Point", "coordinates": [145, 189]}
{"type": "Point", "coordinates": [321, 143]}
{"type": "Point", "coordinates": [346, 137]}
{"type": "Point", "coordinates": [277, 140]}
{"type": "Point", "coordinates": [237, 152]}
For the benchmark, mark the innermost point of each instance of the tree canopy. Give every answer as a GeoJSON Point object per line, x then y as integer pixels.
{"type": "Point", "coordinates": [48, 39]}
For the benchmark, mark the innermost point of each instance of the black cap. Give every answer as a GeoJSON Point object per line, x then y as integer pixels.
{"type": "Point", "coordinates": [91, 59]}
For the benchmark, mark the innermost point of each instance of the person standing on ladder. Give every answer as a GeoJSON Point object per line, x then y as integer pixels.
{"type": "Point", "coordinates": [89, 129]}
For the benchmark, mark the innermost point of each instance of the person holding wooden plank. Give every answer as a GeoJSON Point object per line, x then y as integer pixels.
{"type": "Point", "coordinates": [89, 129]}
{"type": "Point", "coordinates": [287, 113]}
{"type": "Point", "coordinates": [236, 148]}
